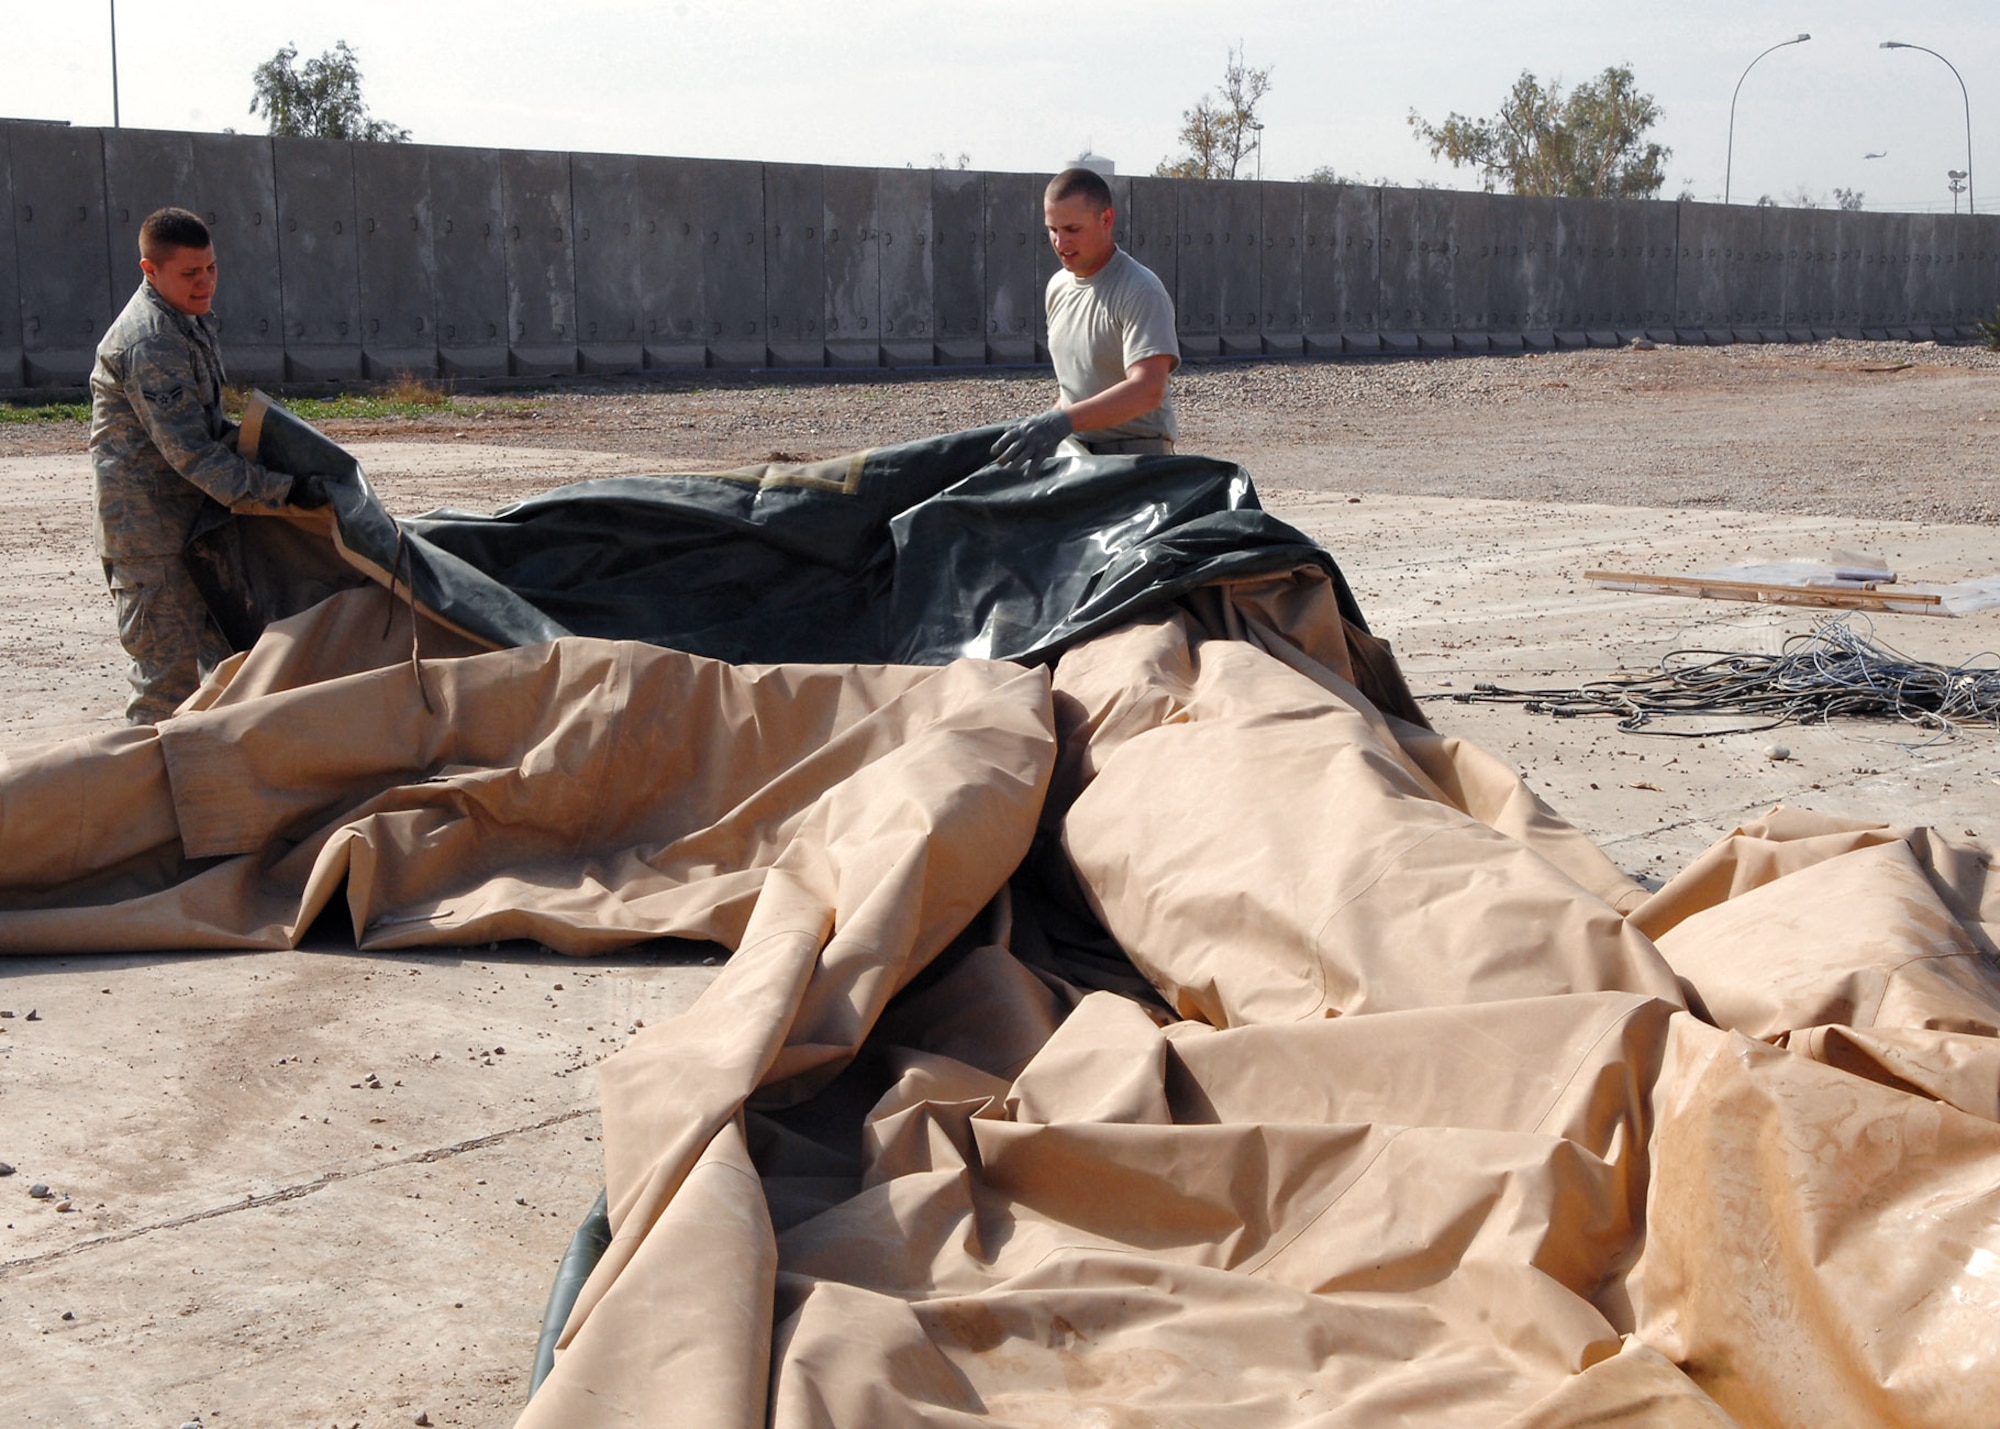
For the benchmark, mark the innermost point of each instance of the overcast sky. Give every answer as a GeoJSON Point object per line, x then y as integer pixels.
{"type": "Point", "coordinates": [1025, 85]}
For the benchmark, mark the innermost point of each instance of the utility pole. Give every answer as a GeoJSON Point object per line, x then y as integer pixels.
{"type": "Point", "coordinates": [114, 64]}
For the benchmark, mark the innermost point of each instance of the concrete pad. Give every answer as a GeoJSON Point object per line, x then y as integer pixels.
{"type": "Point", "coordinates": [265, 1233]}
{"type": "Point", "coordinates": [307, 1188]}
{"type": "Point", "coordinates": [1493, 592]}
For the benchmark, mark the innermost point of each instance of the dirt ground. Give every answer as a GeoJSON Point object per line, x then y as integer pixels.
{"type": "Point", "coordinates": [330, 1188]}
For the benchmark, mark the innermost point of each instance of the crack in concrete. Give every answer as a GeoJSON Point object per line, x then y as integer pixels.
{"type": "Point", "coordinates": [294, 1192]}
{"type": "Point", "coordinates": [1731, 816]}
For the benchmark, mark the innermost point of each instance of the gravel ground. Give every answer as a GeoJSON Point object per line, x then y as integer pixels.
{"type": "Point", "coordinates": [1873, 430]}
{"type": "Point", "coordinates": [1880, 430]}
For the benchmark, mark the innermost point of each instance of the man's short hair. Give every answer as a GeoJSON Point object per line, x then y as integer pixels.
{"type": "Point", "coordinates": [167, 229]}
{"type": "Point", "coordinates": [1080, 182]}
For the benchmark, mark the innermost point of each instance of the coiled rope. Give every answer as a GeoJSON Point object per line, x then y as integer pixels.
{"type": "Point", "coordinates": [1835, 670]}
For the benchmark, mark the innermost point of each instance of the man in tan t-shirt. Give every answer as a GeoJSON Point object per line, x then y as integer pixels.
{"type": "Point", "coordinates": [1111, 337]}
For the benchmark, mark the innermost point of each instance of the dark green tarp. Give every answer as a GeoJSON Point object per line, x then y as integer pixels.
{"type": "Point", "coordinates": [912, 554]}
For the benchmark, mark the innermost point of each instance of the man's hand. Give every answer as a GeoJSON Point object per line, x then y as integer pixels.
{"type": "Point", "coordinates": [1032, 440]}
{"type": "Point", "coordinates": [308, 493]}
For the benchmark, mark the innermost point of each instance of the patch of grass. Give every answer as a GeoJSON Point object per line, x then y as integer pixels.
{"type": "Point", "coordinates": [1989, 328]}
{"type": "Point", "coordinates": [44, 412]}
{"type": "Point", "coordinates": [415, 391]}
{"type": "Point", "coordinates": [350, 406]}
{"type": "Point", "coordinates": [407, 397]}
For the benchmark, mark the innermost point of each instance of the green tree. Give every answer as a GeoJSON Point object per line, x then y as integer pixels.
{"type": "Point", "coordinates": [1220, 133]}
{"type": "Point", "coordinates": [1328, 174]}
{"type": "Point", "coordinates": [320, 100]}
{"type": "Point", "coordinates": [1589, 143]}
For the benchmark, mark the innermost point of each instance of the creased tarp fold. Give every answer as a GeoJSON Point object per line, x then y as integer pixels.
{"type": "Point", "coordinates": [918, 553]}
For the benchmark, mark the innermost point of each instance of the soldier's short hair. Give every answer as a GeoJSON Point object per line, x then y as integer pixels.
{"type": "Point", "coordinates": [169, 228]}
{"type": "Point", "coordinates": [1080, 182]}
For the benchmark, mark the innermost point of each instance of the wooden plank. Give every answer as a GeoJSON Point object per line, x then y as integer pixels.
{"type": "Point", "coordinates": [1707, 588]}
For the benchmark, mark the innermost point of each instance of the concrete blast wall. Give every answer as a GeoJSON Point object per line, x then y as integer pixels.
{"type": "Point", "coordinates": [347, 262]}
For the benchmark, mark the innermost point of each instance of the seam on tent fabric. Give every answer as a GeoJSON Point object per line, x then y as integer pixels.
{"type": "Point", "coordinates": [618, 687]}
{"type": "Point", "coordinates": [619, 1237]}
{"type": "Point", "coordinates": [1375, 876]}
{"type": "Point", "coordinates": [1889, 974]}
{"type": "Point", "coordinates": [1615, 1025]}
{"type": "Point", "coordinates": [1258, 1263]}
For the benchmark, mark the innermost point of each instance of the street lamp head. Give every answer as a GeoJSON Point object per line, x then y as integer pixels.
{"type": "Point", "coordinates": [1896, 45]}
{"type": "Point", "coordinates": [1730, 150]}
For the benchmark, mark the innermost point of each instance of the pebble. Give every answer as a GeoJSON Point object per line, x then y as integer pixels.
{"type": "Point", "coordinates": [33, 1016]}
{"type": "Point", "coordinates": [5, 1169]}
{"type": "Point", "coordinates": [1777, 753]}
{"type": "Point", "coordinates": [65, 1205]}
{"type": "Point", "coordinates": [39, 1191]}
{"type": "Point", "coordinates": [422, 1419]}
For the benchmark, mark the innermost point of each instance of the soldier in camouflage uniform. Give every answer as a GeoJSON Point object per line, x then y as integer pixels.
{"type": "Point", "coordinates": [162, 451]}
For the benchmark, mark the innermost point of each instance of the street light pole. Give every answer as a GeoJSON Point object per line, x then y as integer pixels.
{"type": "Point", "coordinates": [114, 64]}
{"type": "Point", "coordinates": [1971, 203]}
{"type": "Point", "coordinates": [1729, 158]}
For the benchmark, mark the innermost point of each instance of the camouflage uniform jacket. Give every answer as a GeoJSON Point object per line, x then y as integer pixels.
{"type": "Point", "coordinates": [159, 444]}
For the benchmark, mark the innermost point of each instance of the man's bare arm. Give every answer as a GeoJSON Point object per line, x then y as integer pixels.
{"type": "Point", "coordinates": [1144, 388]}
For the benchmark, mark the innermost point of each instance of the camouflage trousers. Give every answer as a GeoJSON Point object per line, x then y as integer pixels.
{"type": "Point", "coordinates": [166, 629]}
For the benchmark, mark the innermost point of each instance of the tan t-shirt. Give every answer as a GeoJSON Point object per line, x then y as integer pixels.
{"type": "Point", "coordinates": [1101, 325]}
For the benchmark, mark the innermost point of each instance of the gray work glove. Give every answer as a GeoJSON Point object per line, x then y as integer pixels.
{"type": "Point", "coordinates": [1032, 440]}
{"type": "Point", "coordinates": [308, 493]}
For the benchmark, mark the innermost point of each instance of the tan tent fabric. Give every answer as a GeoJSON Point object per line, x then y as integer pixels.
{"type": "Point", "coordinates": [1429, 1214]}
{"type": "Point", "coordinates": [1824, 1250]}
{"type": "Point", "coordinates": [1786, 840]}
{"type": "Point", "coordinates": [585, 793]}
{"type": "Point", "coordinates": [1420, 1130]}
{"type": "Point", "coordinates": [1861, 940]}
{"type": "Point", "coordinates": [1296, 862]}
